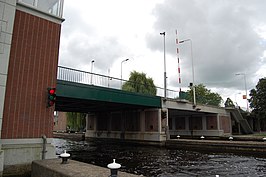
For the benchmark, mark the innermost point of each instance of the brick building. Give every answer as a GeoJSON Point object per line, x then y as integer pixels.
{"type": "Point", "coordinates": [29, 46]}
{"type": "Point", "coordinates": [60, 121]}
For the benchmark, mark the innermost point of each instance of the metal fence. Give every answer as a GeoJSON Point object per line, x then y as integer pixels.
{"type": "Point", "coordinates": [84, 77]}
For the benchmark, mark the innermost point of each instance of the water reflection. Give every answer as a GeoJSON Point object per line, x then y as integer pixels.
{"type": "Point", "coordinates": [158, 161]}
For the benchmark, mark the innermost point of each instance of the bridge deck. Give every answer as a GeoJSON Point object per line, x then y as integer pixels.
{"type": "Point", "coordinates": [76, 97]}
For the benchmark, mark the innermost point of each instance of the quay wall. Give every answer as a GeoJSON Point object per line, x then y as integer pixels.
{"type": "Point", "coordinates": [54, 167]}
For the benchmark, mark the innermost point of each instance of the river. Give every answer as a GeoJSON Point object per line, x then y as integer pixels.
{"type": "Point", "coordinates": [159, 161]}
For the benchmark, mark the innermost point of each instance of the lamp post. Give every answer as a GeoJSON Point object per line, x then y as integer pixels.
{"type": "Point", "coordinates": [163, 33]}
{"type": "Point", "coordinates": [92, 61]}
{"type": "Point", "coordinates": [165, 77]}
{"type": "Point", "coordinates": [122, 70]}
{"type": "Point", "coordinates": [245, 81]}
{"type": "Point", "coordinates": [192, 63]}
{"type": "Point", "coordinates": [108, 78]}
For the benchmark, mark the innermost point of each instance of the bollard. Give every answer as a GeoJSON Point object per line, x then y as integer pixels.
{"type": "Point", "coordinates": [65, 156]}
{"type": "Point", "coordinates": [113, 168]}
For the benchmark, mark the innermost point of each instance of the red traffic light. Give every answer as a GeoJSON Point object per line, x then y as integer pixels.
{"type": "Point", "coordinates": [51, 97]}
{"type": "Point", "coordinates": [52, 91]}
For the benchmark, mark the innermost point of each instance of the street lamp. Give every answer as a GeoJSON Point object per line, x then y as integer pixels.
{"type": "Point", "coordinates": [244, 75]}
{"type": "Point", "coordinates": [92, 61]}
{"type": "Point", "coordinates": [163, 33]}
{"type": "Point", "coordinates": [109, 78]}
{"type": "Point", "coordinates": [122, 70]}
{"type": "Point", "coordinates": [165, 77]}
{"type": "Point", "coordinates": [193, 77]}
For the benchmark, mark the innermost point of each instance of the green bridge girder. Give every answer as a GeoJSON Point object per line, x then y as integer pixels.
{"type": "Point", "coordinates": [77, 97]}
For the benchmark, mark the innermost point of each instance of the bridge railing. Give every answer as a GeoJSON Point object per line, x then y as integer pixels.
{"type": "Point", "coordinates": [84, 77]}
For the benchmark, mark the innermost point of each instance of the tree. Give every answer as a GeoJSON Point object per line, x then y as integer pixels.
{"type": "Point", "coordinates": [205, 96]}
{"type": "Point", "coordinates": [258, 99]}
{"type": "Point", "coordinates": [76, 121]}
{"type": "Point", "coordinates": [138, 82]}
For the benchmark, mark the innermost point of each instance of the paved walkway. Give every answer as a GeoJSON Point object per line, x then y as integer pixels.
{"type": "Point", "coordinates": [53, 167]}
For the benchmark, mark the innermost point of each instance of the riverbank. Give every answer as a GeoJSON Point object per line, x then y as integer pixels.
{"type": "Point", "coordinates": [54, 167]}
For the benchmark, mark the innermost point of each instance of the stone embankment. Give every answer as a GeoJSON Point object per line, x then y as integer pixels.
{"type": "Point", "coordinates": [54, 167]}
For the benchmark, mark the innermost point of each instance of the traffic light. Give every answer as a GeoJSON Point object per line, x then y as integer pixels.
{"type": "Point", "coordinates": [51, 97]}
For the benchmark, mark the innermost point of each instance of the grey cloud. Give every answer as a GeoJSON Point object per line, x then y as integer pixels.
{"type": "Point", "coordinates": [82, 43]}
{"type": "Point", "coordinates": [83, 49]}
{"type": "Point", "coordinates": [223, 35]}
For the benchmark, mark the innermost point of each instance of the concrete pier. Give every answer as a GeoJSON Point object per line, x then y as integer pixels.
{"type": "Point", "coordinates": [54, 167]}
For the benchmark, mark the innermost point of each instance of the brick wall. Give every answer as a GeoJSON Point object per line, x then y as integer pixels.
{"type": "Point", "coordinates": [225, 123]}
{"type": "Point", "coordinates": [211, 122]}
{"type": "Point", "coordinates": [32, 68]}
{"type": "Point", "coordinates": [60, 122]}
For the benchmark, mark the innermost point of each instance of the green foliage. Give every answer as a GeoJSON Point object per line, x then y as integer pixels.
{"type": "Point", "coordinates": [258, 99]}
{"type": "Point", "coordinates": [76, 121]}
{"type": "Point", "coordinates": [138, 82]}
{"type": "Point", "coordinates": [205, 96]}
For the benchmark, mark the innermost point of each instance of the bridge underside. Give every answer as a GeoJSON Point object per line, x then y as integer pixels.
{"type": "Point", "coordinates": [76, 97]}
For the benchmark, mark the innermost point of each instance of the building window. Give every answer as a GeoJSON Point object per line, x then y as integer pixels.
{"type": "Point", "coordinates": [54, 7]}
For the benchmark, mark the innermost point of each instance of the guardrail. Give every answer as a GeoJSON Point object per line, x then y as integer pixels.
{"type": "Point", "coordinates": [84, 77]}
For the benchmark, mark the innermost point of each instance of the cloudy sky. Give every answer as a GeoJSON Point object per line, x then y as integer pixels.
{"type": "Point", "coordinates": [228, 37]}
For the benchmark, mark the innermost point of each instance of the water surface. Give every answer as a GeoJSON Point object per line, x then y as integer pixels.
{"type": "Point", "coordinates": [160, 161]}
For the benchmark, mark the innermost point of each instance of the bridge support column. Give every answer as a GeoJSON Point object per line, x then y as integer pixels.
{"type": "Point", "coordinates": [187, 123]}
{"type": "Point", "coordinates": [142, 121]}
{"type": "Point", "coordinates": [204, 123]}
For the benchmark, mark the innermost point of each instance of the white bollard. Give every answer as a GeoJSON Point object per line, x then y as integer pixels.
{"type": "Point", "coordinates": [65, 156]}
{"type": "Point", "coordinates": [114, 168]}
